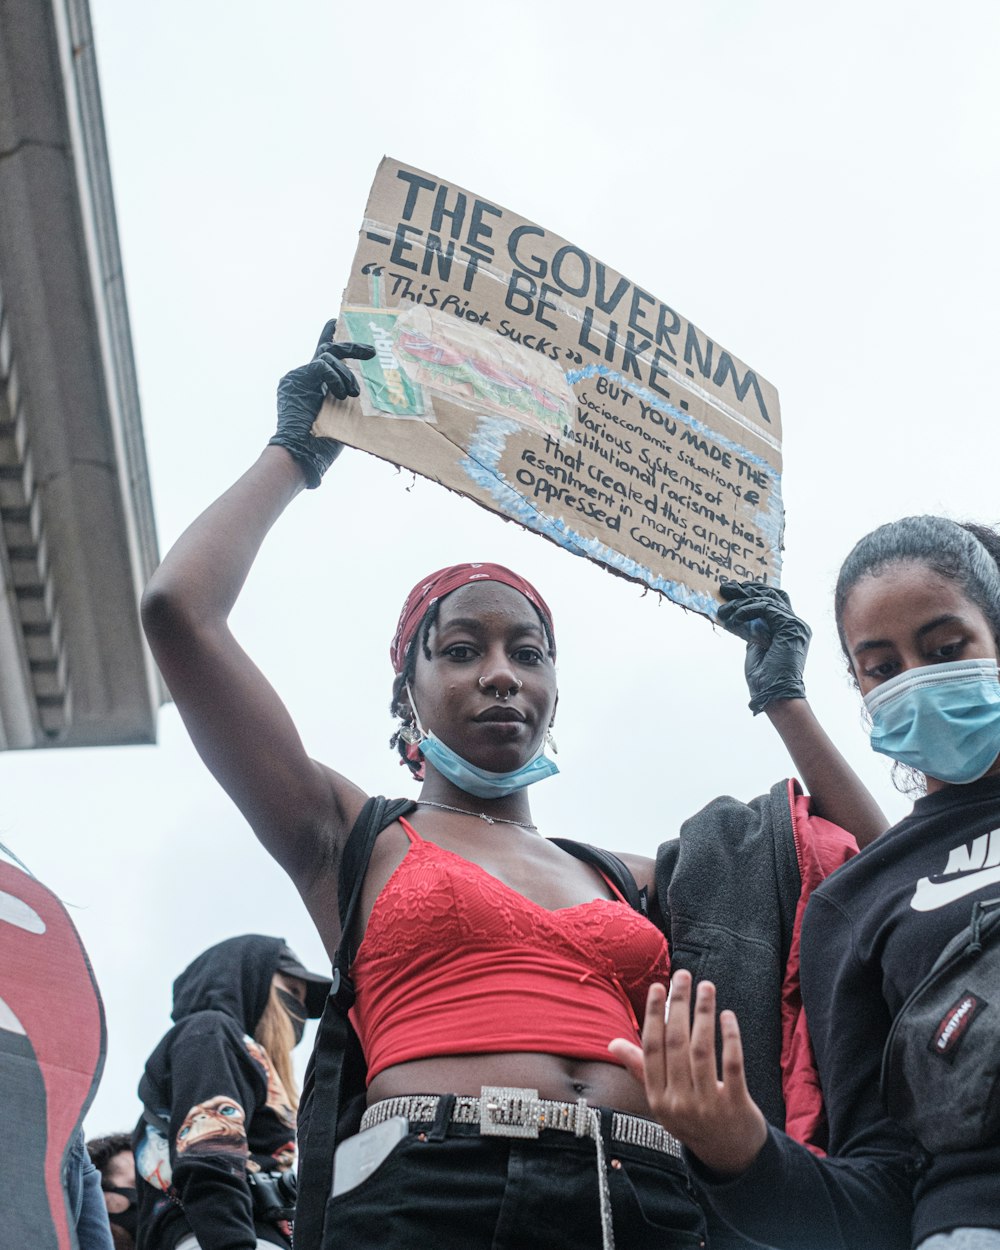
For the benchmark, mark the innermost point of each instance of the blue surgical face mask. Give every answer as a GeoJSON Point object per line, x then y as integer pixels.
{"type": "Point", "coordinates": [943, 719]}
{"type": "Point", "coordinates": [479, 781]}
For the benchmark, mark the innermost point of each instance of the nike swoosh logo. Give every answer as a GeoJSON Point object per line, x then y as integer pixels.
{"type": "Point", "coordinates": [930, 895]}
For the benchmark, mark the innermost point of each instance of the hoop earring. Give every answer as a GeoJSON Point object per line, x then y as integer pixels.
{"type": "Point", "coordinates": [409, 733]}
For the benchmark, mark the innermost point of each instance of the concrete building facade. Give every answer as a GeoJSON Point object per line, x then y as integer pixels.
{"type": "Point", "coordinates": [77, 534]}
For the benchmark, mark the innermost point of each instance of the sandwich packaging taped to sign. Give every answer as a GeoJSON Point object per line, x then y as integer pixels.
{"type": "Point", "coordinates": [514, 368]}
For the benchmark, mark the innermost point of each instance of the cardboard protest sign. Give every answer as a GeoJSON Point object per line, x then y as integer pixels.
{"type": "Point", "coordinates": [513, 367]}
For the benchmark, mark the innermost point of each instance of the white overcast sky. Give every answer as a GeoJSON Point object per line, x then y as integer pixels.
{"type": "Point", "coordinates": [815, 186]}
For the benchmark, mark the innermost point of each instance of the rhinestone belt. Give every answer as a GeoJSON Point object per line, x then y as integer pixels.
{"type": "Point", "coordinates": [502, 1111]}
{"type": "Point", "coordinates": [506, 1112]}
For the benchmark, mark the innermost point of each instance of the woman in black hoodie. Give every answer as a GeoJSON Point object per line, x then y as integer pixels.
{"type": "Point", "coordinates": [216, 1141]}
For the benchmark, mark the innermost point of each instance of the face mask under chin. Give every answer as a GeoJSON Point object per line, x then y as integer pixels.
{"type": "Point", "coordinates": [480, 782]}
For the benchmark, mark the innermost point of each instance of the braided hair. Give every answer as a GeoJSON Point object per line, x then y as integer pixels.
{"type": "Point", "coordinates": [403, 678]}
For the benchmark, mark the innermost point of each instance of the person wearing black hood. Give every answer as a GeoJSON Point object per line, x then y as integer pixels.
{"type": "Point", "coordinates": [216, 1141]}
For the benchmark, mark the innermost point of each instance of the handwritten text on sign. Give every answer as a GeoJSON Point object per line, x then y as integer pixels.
{"type": "Point", "coordinates": [515, 368]}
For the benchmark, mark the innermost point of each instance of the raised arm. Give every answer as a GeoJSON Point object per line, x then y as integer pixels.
{"type": "Point", "coordinates": [240, 727]}
{"type": "Point", "coordinates": [777, 641]}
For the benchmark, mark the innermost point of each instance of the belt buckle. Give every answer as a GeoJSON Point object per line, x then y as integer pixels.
{"type": "Point", "coordinates": [505, 1111]}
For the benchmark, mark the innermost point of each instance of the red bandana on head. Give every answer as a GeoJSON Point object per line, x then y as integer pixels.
{"type": "Point", "coordinates": [442, 583]}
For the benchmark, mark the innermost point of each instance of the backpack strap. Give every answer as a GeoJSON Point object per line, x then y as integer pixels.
{"type": "Point", "coordinates": [333, 1092]}
{"type": "Point", "coordinates": [377, 814]}
{"type": "Point", "coordinates": [611, 867]}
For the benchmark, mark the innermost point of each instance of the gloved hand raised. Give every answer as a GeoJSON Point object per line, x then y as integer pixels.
{"type": "Point", "coordinates": [777, 640]}
{"type": "Point", "coordinates": [300, 397]}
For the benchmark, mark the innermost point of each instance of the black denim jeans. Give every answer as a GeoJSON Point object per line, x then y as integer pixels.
{"type": "Point", "coordinates": [456, 1190]}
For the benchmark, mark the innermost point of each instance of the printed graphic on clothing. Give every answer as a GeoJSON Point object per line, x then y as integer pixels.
{"type": "Point", "coordinates": [152, 1159]}
{"type": "Point", "coordinates": [215, 1126]}
{"type": "Point", "coordinates": [277, 1095]}
{"type": "Point", "coordinates": [970, 867]}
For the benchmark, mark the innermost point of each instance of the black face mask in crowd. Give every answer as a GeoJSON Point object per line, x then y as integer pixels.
{"type": "Point", "coordinates": [129, 1218]}
{"type": "Point", "coordinates": [296, 1013]}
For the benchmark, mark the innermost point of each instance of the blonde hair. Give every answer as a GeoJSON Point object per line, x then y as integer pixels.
{"type": "Point", "coordinates": [275, 1033]}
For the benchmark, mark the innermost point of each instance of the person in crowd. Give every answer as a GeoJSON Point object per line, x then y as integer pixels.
{"type": "Point", "coordinates": [113, 1158]}
{"type": "Point", "coordinates": [493, 966]}
{"type": "Point", "coordinates": [918, 611]}
{"type": "Point", "coordinates": [215, 1145]}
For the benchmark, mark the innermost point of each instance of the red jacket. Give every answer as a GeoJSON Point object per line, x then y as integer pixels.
{"type": "Point", "coordinates": [733, 889]}
{"type": "Point", "coordinates": [820, 848]}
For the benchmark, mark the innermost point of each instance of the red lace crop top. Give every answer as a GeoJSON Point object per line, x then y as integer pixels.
{"type": "Point", "coordinates": [455, 962]}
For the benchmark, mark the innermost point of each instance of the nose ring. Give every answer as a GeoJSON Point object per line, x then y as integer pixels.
{"type": "Point", "coordinates": [484, 684]}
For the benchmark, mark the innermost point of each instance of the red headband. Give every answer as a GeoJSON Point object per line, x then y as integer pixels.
{"type": "Point", "coordinates": [442, 583]}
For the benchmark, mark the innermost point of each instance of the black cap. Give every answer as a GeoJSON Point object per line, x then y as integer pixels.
{"type": "Point", "coordinates": [317, 985]}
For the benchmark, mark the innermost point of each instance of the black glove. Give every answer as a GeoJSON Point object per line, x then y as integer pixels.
{"type": "Point", "coordinates": [300, 397]}
{"type": "Point", "coordinates": [777, 640]}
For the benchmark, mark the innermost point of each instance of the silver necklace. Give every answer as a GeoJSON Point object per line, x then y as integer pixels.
{"type": "Point", "coordinates": [490, 820]}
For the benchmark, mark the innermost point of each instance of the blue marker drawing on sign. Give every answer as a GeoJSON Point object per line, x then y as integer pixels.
{"type": "Point", "coordinates": [481, 466]}
{"type": "Point", "coordinates": [770, 520]}
{"type": "Point", "coordinates": [678, 414]}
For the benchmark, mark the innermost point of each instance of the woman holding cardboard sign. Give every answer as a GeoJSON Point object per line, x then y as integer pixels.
{"type": "Point", "coordinates": [484, 968]}
{"type": "Point", "coordinates": [900, 950]}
